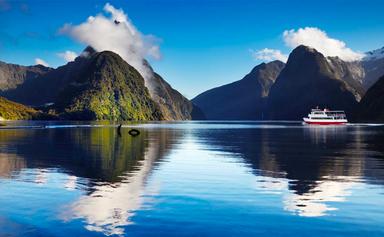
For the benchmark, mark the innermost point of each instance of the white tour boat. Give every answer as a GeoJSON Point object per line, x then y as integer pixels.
{"type": "Point", "coordinates": [326, 117]}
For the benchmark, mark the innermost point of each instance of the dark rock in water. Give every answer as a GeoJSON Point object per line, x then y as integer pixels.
{"type": "Point", "coordinates": [241, 100]}
{"type": "Point", "coordinates": [371, 107]}
{"type": "Point", "coordinates": [307, 81]}
{"type": "Point", "coordinates": [134, 132]}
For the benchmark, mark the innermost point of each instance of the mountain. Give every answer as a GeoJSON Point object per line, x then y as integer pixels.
{"type": "Point", "coordinates": [367, 70]}
{"type": "Point", "coordinates": [12, 75]}
{"type": "Point", "coordinates": [173, 105]}
{"type": "Point", "coordinates": [309, 80]}
{"type": "Point", "coordinates": [50, 87]}
{"type": "Point", "coordinates": [44, 89]}
{"type": "Point", "coordinates": [241, 100]}
{"type": "Point", "coordinates": [373, 64]}
{"type": "Point", "coordinates": [360, 74]}
{"type": "Point", "coordinates": [350, 72]}
{"type": "Point", "coordinates": [13, 111]}
{"type": "Point", "coordinates": [371, 107]}
{"type": "Point", "coordinates": [374, 54]}
{"type": "Point", "coordinates": [105, 87]}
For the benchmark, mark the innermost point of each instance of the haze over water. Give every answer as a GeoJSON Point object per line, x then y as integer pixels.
{"type": "Point", "coordinates": [192, 179]}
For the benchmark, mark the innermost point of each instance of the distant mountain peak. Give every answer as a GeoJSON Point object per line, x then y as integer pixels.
{"type": "Point", "coordinates": [88, 51]}
{"type": "Point", "coordinates": [304, 48]}
{"type": "Point", "coordinates": [374, 54]}
{"type": "Point", "coordinates": [265, 65]}
{"type": "Point", "coordinates": [243, 99]}
{"type": "Point", "coordinates": [305, 54]}
{"type": "Point", "coordinates": [308, 80]}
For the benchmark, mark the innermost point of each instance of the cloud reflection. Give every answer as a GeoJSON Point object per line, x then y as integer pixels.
{"type": "Point", "coordinates": [312, 168]}
{"type": "Point", "coordinates": [111, 206]}
{"type": "Point", "coordinates": [318, 202]}
{"type": "Point", "coordinates": [314, 203]}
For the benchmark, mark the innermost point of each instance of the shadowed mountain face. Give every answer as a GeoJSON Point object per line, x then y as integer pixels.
{"type": "Point", "coordinates": [244, 99]}
{"type": "Point", "coordinates": [278, 91]}
{"type": "Point", "coordinates": [352, 73]}
{"type": "Point", "coordinates": [308, 80]}
{"type": "Point", "coordinates": [373, 65]}
{"type": "Point", "coordinates": [360, 75]}
{"type": "Point", "coordinates": [12, 75]}
{"type": "Point", "coordinates": [45, 88]}
{"type": "Point", "coordinates": [374, 69]}
{"type": "Point", "coordinates": [173, 105]}
{"type": "Point", "coordinates": [371, 107]}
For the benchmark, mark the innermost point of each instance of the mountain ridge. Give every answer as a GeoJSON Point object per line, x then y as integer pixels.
{"type": "Point", "coordinates": [243, 99]}
{"type": "Point", "coordinates": [12, 75]}
{"type": "Point", "coordinates": [307, 81]}
{"type": "Point", "coordinates": [371, 108]}
{"type": "Point", "coordinates": [107, 88]}
{"type": "Point", "coordinates": [47, 89]}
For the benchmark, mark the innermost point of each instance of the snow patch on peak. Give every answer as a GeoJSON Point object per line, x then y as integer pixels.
{"type": "Point", "coordinates": [374, 54]}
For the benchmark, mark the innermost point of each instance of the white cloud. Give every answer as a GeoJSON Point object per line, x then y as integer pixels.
{"type": "Point", "coordinates": [269, 55]}
{"type": "Point", "coordinates": [68, 56]}
{"type": "Point", "coordinates": [318, 39]}
{"type": "Point", "coordinates": [39, 61]}
{"type": "Point", "coordinates": [118, 34]}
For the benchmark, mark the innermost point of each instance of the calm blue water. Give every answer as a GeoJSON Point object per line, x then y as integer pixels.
{"type": "Point", "coordinates": [191, 179]}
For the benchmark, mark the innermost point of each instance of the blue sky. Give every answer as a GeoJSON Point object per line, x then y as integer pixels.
{"type": "Point", "coordinates": [203, 43]}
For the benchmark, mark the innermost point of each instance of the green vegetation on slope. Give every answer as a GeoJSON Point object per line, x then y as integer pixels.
{"type": "Point", "coordinates": [13, 111]}
{"type": "Point", "coordinates": [107, 88]}
{"type": "Point", "coordinates": [83, 78]}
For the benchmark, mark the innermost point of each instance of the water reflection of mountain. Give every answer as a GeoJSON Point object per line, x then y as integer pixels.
{"type": "Point", "coordinates": [110, 207]}
{"type": "Point", "coordinates": [97, 153]}
{"type": "Point", "coordinates": [117, 167]}
{"type": "Point", "coordinates": [316, 164]}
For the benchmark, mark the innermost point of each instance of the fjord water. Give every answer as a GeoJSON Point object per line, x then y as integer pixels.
{"type": "Point", "coordinates": [192, 179]}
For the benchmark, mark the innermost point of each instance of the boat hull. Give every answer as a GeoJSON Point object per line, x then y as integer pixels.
{"type": "Point", "coordinates": [325, 122]}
